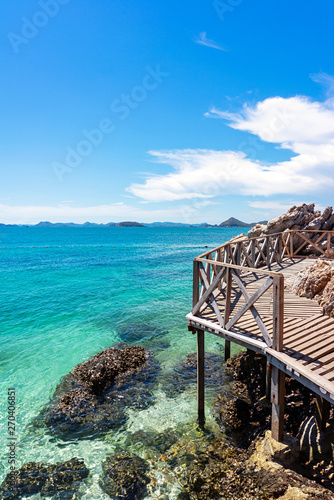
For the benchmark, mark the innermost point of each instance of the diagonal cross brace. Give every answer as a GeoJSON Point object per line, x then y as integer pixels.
{"type": "Point", "coordinates": [212, 299]}
{"type": "Point", "coordinates": [209, 291]}
{"type": "Point", "coordinates": [250, 300]}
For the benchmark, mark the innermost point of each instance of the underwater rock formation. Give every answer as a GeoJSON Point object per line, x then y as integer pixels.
{"type": "Point", "coordinates": [61, 480]}
{"type": "Point", "coordinates": [150, 336]}
{"type": "Point", "coordinates": [185, 373]}
{"type": "Point", "coordinates": [92, 398]}
{"type": "Point", "coordinates": [124, 476]}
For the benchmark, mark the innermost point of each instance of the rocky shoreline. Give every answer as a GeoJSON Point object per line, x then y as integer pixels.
{"type": "Point", "coordinates": [240, 461]}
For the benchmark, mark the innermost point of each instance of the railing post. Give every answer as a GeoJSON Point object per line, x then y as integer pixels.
{"type": "Point", "coordinates": [253, 253]}
{"type": "Point", "coordinates": [280, 247]}
{"type": "Point", "coordinates": [277, 376]}
{"type": "Point", "coordinates": [200, 377]}
{"type": "Point", "coordinates": [291, 244]}
{"type": "Point", "coordinates": [328, 245]}
{"type": "Point", "coordinates": [195, 282]}
{"type": "Point", "coordinates": [268, 251]}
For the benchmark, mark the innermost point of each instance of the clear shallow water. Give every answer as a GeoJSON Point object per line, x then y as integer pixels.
{"type": "Point", "coordinates": [66, 294]}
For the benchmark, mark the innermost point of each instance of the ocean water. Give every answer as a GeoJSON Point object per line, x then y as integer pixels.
{"type": "Point", "coordinates": [68, 293]}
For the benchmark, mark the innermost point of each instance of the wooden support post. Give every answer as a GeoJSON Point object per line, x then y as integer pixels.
{"type": "Point", "coordinates": [200, 377]}
{"type": "Point", "coordinates": [277, 400]}
{"type": "Point", "coordinates": [277, 376]}
{"type": "Point", "coordinates": [322, 412]}
{"type": "Point", "coordinates": [227, 310]}
{"type": "Point", "coordinates": [268, 382]}
{"type": "Point", "coordinates": [195, 282]}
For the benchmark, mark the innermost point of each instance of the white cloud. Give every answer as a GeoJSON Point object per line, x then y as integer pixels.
{"type": "Point", "coordinates": [203, 40]}
{"type": "Point", "coordinates": [304, 127]}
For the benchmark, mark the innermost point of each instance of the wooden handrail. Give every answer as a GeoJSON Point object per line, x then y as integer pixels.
{"type": "Point", "coordinates": [281, 235]}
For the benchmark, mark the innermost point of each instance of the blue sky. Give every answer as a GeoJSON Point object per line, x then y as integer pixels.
{"type": "Point", "coordinates": [186, 111]}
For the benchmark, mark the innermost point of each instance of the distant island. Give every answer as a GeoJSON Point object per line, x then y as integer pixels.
{"type": "Point", "coordinates": [130, 224]}
{"type": "Point", "coordinates": [231, 222]}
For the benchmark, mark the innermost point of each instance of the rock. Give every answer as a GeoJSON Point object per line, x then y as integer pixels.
{"type": "Point", "coordinates": [222, 472]}
{"type": "Point", "coordinates": [185, 373]}
{"type": "Point", "coordinates": [235, 413]}
{"type": "Point", "coordinates": [273, 459]}
{"type": "Point", "coordinates": [297, 218]}
{"type": "Point", "coordinates": [93, 397]}
{"type": "Point", "coordinates": [148, 335]}
{"type": "Point", "coordinates": [61, 480]}
{"type": "Point", "coordinates": [152, 443]}
{"type": "Point", "coordinates": [124, 476]}
{"type": "Point", "coordinates": [311, 280]}
{"type": "Point", "coordinates": [268, 449]}
{"type": "Point", "coordinates": [100, 371]}
{"type": "Point", "coordinates": [317, 281]}
{"type": "Point", "coordinates": [326, 298]}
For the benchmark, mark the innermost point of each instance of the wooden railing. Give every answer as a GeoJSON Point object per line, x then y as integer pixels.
{"type": "Point", "coordinates": [229, 267]}
{"type": "Point", "coordinates": [268, 249]}
{"type": "Point", "coordinates": [213, 278]}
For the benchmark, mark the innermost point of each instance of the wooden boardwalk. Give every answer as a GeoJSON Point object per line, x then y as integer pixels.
{"type": "Point", "coordinates": [255, 307]}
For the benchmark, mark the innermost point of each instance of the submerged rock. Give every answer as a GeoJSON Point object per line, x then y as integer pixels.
{"type": "Point", "coordinates": [124, 476]}
{"type": "Point", "coordinates": [222, 472]}
{"type": "Point", "coordinates": [185, 373]}
{"type": "Point", "coordinates": [59, 481]}
{"type": "Point", "coordinates": [148, 335]}
{"type": "Point", "coordinates": [151, 442]}
{"type": "Point", "coordinates": [93, 397]}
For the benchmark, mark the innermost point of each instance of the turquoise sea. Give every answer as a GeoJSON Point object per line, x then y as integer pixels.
{"type": "Point", "coordinates": [68, 293]}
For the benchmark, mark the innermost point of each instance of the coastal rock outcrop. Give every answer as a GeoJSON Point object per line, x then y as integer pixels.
{"type": "Point", "coordinates": [93, 397]}
{"type": "Point", "coordinates": [317, 281]}
{"type": "Point", "coordinates": [61, 480]}
{"type": "Point", "coordinates": [303, 217]}
{"type": "Point", "coordinates": [124, 476]}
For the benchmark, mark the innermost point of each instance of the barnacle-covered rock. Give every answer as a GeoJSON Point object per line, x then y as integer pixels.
{"type": "Point", "coordinates": [59, 481]}
{"type": "Point", "coordinates": [185, 373]}
{"type": "Point", "coordinates": [93, 397]}
{"type": "Point", "coordinates": [124, 476]}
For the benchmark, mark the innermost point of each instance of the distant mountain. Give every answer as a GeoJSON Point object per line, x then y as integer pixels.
{"type": "Point", "coordinates": [166, 224]}
{"type": "Point", "coordinates": [129, 224]}
{"type": "Point", "coordinates": [233, 222]}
